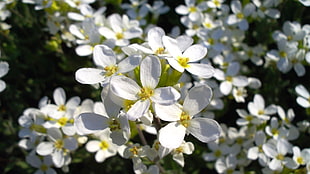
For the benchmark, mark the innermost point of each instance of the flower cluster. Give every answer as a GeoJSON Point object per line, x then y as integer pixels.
{"type": "Point", "coordinates": [163, 92]}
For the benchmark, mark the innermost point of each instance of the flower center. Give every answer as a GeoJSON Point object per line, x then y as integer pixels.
{"type": "Point", "coordinates": [300, 160]}
{"type": "Point", "coordinates": [283, 54]}
{"type": "Point", "coordinates": [114, 124]}
{"type": "Point", "coordinates": [192, 9]}
{"type": "Point", "coordinates": [240, 15]}
{"type": "Point", "coordinates": [38, 128]}
{"type": "Point", "coordinates": [146, 93]}
{"type": "Point", "coordinates": [104, 145]}
{"type": "Point", "coordinates": [62, 108]}
{"type": "Point", "coordinates": [110, 70]}
{"type": "Point", "coordinates": [184, 119]}
{"type": "Point", "coordinates": [59, 144]}
{"type": "Point", "coordinates": [119, 36]}
{"type": "Point", "coordinates": [62, 121]}
{"type": "Point", "coordinates": [183, 61]}
{"type": "Point", "coordinates": [127, 104]}
{"type": "Point", "coordinates": [280, 157]}
{"type": "Point", "coordinates": [160, 50]}
{"type": "Point", "coordinates": [44, 167]}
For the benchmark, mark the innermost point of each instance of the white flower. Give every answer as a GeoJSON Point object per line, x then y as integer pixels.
{"type": "Point", "coordinates": [193, 11]}
{"type": "Point", "coordinates": [43, 165]}
{"type": "Point", "coordinates": [218, 151]}
{"type": "Point", "coordinates": [106, 61]}
{"type": "Point", "coordinates": [257, 108]}
{"type": "Point", "coordinates": [277, 152]}
{"type": "Point", "coordinates": [230, 78]}
{"type": "Point", "coordinates": [4, 68]}
{"type": "Point", "coordinates": [227, 165]}
{"type": "Point", "coordinates": [305, 2]}
{"type": "Point", "coordinates": [303, 98]}
{"type": "Point", "coordinates": [58, 147]}
{"type": "Point", "coordinates": [182, 119]}
{"type": "Point", "coordinates": [256, 152]}
{"type": "Point", "coordinates": [120, 29]}
{"type": "Point", "coordinates": [150, 70]}
{"type": "Point", "coordinates": [239, 16]}
{"type": "Point", "coordinates": [185, 148]}
{"type": "Point", "coordinates": [185, 55]}
{"type": "Point", "coordinates": [104, 147]}
{"type": "Point", "coordinates": [117, 123]}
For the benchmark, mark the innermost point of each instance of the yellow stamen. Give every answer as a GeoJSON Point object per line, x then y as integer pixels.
{"type": "Point", "coordinates": [146, 93]}
{"type": "Point", "coordinates": [183, 61]}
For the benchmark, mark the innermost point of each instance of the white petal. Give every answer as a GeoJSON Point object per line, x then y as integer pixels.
{"type": "Point", "coordinates": [253, 153]}
{"type": "Point", "coordinates": [129, 63]}
{"type": "Point", "coordinates": [184, 42]}
{"type": "Point", "coordinates": [165, 95]}
{"type": "Point", "coordinates": [259, 101]}
{"type": "Point", "coordinates": [150, 70]}
{"type": "Point", "coordinates": [92, 146]}
{"type": "Point", "coordinates": [236, 6]}
{"type": "Point", "coordinates": [303, 102]}
{"type": "Point", "coordinates": [195, 52]}
{"type": "Point", "coordinates": [154, 37]}
{"type": "Point", "coordinates": [172, 135]}
{"type": "Point", "coordinates": [90, 75]}
{"type": "Point", "coordinates": [172, 46]}
{"type": "Point", "coordinates": [204, 129]}
{"type": "Point", "coordinates": [168, 112]}
{"type": "Point", "coordinates": [201, 70]}
{"type": "Point", "coordinates": [302, 91]}
{"type": "Point", "coordinates": [76, 16]}
{"type": "Point", "coordinates": [138, 109]}
{"type": "Point", "coordinates": [70, 143]}
{"type": "Point", "coordinates": [54, 133]}
{"type": "Point", "coordinates": [45, 148]}
{"type": "Point", "coordinates": [197, 99]}
{"type": "Point", "coordinates": [58, 158]}
{"type": "Point", "coordinates": [4, 68]}
{"type": "Point", "coordinates": [2, 85]}
{"type": "Point", "coordinates": [84, 50]}
{"type": "Point", "coordinates": [175, 64]}
{"type": "Point", "coordinates": [59, 96]}
{"type": "Point", "coordinates": [87, 123]}
{"type": "Point", "coordinates": [125, 87]}
{"type": "Point", "coordinates": [104, 56]}
{"type": "Point", "coordinates": [225, 87]}
{"type": "Point", "coordinates": [240, 81]}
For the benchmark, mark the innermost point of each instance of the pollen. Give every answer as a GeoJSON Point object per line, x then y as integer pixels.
{"type": "Point", "coordinates": [229, 78]}
{"type": "Point", "coordinates": [283, 54]}
{"type": "Point", "coordinates": [261, 112]}
{"type": "Point", "coordinates": [217, 3]}
{"type": "Point", "coordinates": [192, 9]}
{"type": "Point", "coordinates": [183, 61]}
{"type": "Point", "coordinates": [208, 25]}
{"type": "Point", "coordinates": [178, 150]}
{"type": "Point", "coordinates": [300, 160]}
{"type": "Point", "coordinates": [146, 93]}
{"type": "Point", "coordinates": [62, 121]}
{"type": "Point", "coordinates": [160, 50]}
{"type": "Point", "coordinates": [114, 124]}
{"type": "Point", "coordinates": [59, 144]}
{"type": "Point", "coordinates": [184, 119]}
{"type": "Point", "coordinates": [104, 145]}
{"type": "Point", "coordinates": [119, 36]}
{"type": "Point", "coordinates": [44, 167]}
{"type": "Point", "coordinates": [240, 15]}
{"type": "Point", "coordinates": [110, 70]}
{"type": "Point", "coordinates": [280, 157]}
{"type": "Point", "coordinates": [134, 150]}
{"type": "Point", "coordinates": [38, 128]}
{"type": "Point", "coordinates": [62, 108]}
{"type": "Point", "coordinates": [127, 104]}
